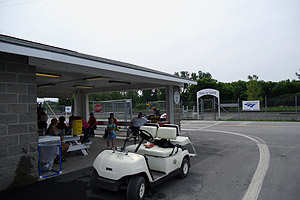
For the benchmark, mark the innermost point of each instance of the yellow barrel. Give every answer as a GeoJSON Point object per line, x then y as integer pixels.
{"type": "Point", "coordinates": [77, 127]}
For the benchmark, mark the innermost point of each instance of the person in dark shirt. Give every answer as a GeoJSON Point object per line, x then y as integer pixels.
{"type": "Point", "coordinates": [156, 111]}
{"type": "Point", "coordinates": [61, 125]}
{"type": "Point", "coordinates": [92, 122]}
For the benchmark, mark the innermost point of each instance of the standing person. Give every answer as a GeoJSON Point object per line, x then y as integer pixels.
{"type": "Point", "coordinates": [85, 130]}
{"type": "Point", "coordinates": [135, 124]}
{"type": "Point", "coordinates": [41, 119]}
{"type": "Point", "coordinates": [156, 111]}
{"type": "Point", "coordinates": [111, 126]}
{"type": "Point", "coordinates": [111, 116]}
{"type": "Point", "coordinates": [92, 122]}
{"type": "Point", "coordinates": [52, 130]}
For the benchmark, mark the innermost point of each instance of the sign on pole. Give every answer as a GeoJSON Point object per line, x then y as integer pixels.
{"type": "Point", "coordinates": [97, 108]}
{"type": "Point", "coordinates": [68, 109]}
{"type": "Point", "coordinates": [251, 105]}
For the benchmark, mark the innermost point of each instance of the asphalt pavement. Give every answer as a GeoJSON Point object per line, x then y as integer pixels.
{"type": "Point", "coordinates": [232, 159]}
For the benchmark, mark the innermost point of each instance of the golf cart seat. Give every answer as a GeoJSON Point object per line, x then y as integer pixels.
{"type": "Point", "coordinates": [163, 133]}
{"type": "Point", "coordinates": [180, 140]}
{"type": "Point", "coordinates": [150, 129]}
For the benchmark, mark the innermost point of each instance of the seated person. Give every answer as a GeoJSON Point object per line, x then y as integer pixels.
{"type": "Point", "coordinates": [61, 126]}
{"type": "Point", "coordinates": [135, 124]}
{"type": "Point", "coordinates": [156, 111]}
{"type": "Point", "coordinates": [52, 130]}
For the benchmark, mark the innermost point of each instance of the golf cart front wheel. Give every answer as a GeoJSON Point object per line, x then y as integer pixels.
{"type": "Point", "coordinates": [184, 170]}
{"type": "Point", "coordinates": [136, 188]}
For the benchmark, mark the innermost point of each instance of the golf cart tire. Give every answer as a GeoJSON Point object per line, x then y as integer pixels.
{"type": "Point", "coordinates": [136, 188]}
{"type": "Point", "coordinates": [93, 181]}
{"type": "Point", "coordinates": [184, 169]}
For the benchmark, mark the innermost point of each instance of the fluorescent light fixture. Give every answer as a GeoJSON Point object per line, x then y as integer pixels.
{"type": "Point", "coordinates": [124, 82]}
{"type": "Point", "coordinates": [83, 86]}
{"type": "Point", "coordinates": [47, 75]}
{"type": "Point", "coordinates": [94, 78]}
{"type": "Point", "coordinates": [46, 85]}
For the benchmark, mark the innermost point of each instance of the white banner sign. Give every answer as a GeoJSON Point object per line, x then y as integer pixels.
{"type": "Point", "coordinates": [212, 92]}
{"type": "Point", "coordinates": [251, 106]}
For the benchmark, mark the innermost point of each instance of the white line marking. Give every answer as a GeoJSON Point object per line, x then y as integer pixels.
{"type": "Point", "coordinates": [262, 167]}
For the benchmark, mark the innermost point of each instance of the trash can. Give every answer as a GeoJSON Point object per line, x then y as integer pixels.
{"type": "Point", "coordinates": [77, 127]}
{"type": "Point", "coordinates": [48, 149]}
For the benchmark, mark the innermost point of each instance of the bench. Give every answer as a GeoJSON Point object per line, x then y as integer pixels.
{"type": "Point", "coordinates": [83, 147]}
{"type": "Point", "coordinates": [75, 145]}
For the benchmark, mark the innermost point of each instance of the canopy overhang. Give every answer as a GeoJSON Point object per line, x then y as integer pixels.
{"type": "Point", "coordinates": [73, 70]}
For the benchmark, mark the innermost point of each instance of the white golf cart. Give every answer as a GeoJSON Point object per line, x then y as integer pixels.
{"type": "Point", "coordinates": [162, 152]}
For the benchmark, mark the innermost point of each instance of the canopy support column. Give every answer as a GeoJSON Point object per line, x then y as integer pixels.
{"type": "Point", "coordinates": [81, 105]}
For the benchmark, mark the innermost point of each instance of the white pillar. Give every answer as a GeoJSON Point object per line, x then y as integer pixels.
{"type": "Point", "coordinates": [81, 104]}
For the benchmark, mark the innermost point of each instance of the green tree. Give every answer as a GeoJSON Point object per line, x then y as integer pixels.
{"type": "Point", "coordinates": [132, 95]}
{"type": "Point", "coordinates": [240, 89]}
{"type": "Point", "coordinates": [227, 92]}
{"type": "Point", "coordinates": [253, 88]}
{"type": "Point", "coordinates": [298, 75]}
{"type": "Point", "coordinates": [161, 95]}
{"type": "Point", "coordinates": [65, 101]}
{"type": "Point", "coordinates": [204, 75]}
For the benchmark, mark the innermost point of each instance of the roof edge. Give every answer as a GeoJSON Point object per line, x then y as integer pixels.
{"type": "Point", "coordinates": [36, 45]}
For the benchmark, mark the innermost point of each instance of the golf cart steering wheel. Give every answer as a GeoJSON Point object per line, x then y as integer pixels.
{"type": "Point", "coordinates": [145, 135]}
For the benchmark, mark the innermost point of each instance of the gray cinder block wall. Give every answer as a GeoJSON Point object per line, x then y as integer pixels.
{"type": "Point", "coordinates": [18, 122]}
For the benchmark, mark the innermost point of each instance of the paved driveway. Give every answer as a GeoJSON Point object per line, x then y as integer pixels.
{"type": "Point", "coordinates": [236, 160]}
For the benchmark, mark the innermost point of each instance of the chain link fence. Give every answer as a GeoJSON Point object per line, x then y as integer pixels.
{"type": "Point", "coordinates": [286, 109]}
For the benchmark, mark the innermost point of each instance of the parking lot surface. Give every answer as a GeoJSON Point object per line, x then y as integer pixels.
{"type": "Point", "coordinates": [234, 159]}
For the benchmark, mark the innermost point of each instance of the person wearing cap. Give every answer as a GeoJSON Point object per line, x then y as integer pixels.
{"type": "Point", "coordinates": [92, 122]}
{"type": "Point", "coordinates": [156, 111]}
{"type": "Point", "coordinates": [52, 130]}
{"type": "Point", "coordinates": [135, 124]}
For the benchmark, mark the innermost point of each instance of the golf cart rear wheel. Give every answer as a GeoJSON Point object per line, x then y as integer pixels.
{"type": "Point", "coordinates": [93, 181]}
{"type": "Point", "coordinates": [136, 188]}
{"type": "Point", "coordinates": [184, 170]}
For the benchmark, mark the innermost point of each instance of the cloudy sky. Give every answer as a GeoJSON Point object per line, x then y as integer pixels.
{"type": "Point", "coordinates": [230, 39]}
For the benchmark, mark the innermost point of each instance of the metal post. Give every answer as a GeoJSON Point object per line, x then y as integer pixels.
{"type": "Point", "coordinates": [266, 107]}
{"type": "Point", "coordinates": [214, 108]}
{"type": "Point", "coordinates": [125, 111]}
{"type": "Point", "coordinates": [130, 109]}
{"type": "Point", "coordinates": [296, 104]}
{"type": "Point", "coordinates": [266, 104]}
{"type": "Point", "coordinates": [202, 112]}
{"type": "Point", "coordinates": [197, 108]}
{"type": "Point", "coordinates": [113, 107]}
{"type": "Point", "coordinates": [238, 108]}
{"type": "Point", "coordinates": [147, 108]}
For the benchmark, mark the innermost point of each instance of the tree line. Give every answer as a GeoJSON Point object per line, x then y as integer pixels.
{"type": "Point", "coordinates": [253, 89]}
